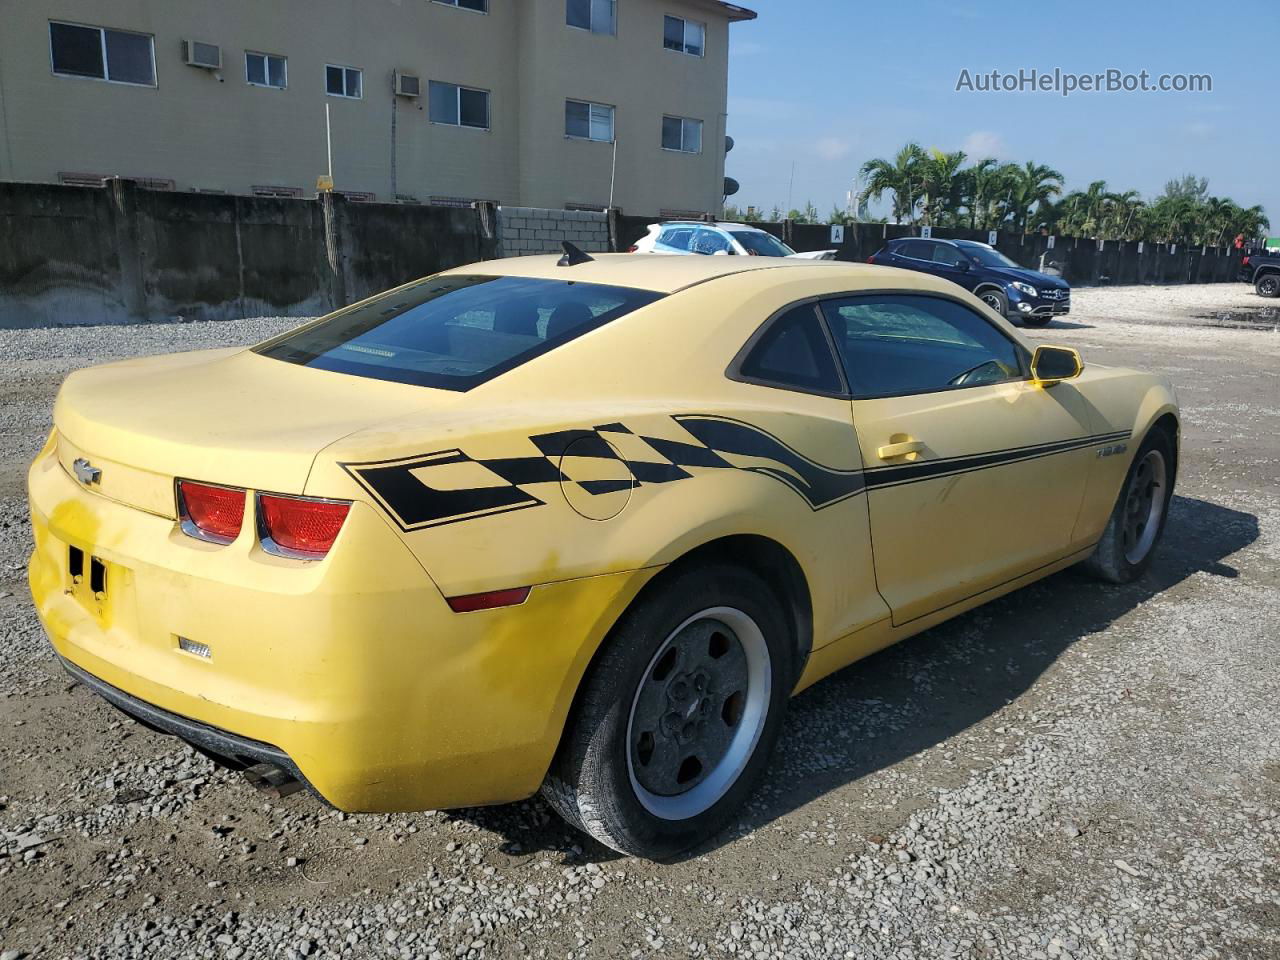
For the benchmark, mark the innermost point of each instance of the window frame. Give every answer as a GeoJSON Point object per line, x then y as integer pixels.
{"type": "Point", "coordinates": [683, 121]}
{"type": "Point", "coordinates": [613, 121]}
{"type": "Point", "coordinates": [266, 69]}
{"type": "Point", "coordinates": [734, 370]}
{"type": "Point", "coordinates": [684, 35]}
{"type": "Point", "coordinates": [484, 11]}
{"type": "Point", "coordinates": [590, 28]}
{"type": "Point", "coordinates": [345, 70]}
{"type": "Point", "coordinates": [106, 66]}
{"type": "Point", "coordinates": [457, 93]}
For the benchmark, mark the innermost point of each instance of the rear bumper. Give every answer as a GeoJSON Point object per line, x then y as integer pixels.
{"type": "Point", "coordinates": [231, 748]}
{"type": "Point", "coordinates": [353, 669]}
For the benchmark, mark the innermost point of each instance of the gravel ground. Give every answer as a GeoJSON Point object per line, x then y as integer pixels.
{"type": "Point", "coordinates": [1075, 770]}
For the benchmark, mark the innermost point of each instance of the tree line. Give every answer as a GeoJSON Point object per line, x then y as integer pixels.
{"type": "Point", "coordinates": [936, 188]}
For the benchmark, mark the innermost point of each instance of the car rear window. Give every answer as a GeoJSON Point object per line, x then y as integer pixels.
{"type": "Point", "coordinates": [455, 331]}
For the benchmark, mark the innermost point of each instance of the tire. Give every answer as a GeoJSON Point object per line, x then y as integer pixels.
{"type": "Point", "coordinates": [1268, 285]}
{"type": "Point", "coordinates": [1137, 521]}
{"type": "Point", "coordinates": [996, 300]}
{"type": "Point", "coordinates": [663, 748]}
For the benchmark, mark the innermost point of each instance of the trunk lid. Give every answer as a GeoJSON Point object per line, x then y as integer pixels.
{"type": "Point", "coordinates": [220, 416]}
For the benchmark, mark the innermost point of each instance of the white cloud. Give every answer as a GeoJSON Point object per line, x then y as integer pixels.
{"type": "Point", "coordinates": [832, 148]}
{"type": "Point", "coordinates": [984, 143]}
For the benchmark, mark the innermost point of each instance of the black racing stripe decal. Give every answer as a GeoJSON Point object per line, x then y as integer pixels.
{"type": "Point", "coordinates": [916, 471]}
{"type": "Point", "coordinates": [403, 489]}
{"type": "Point", "coordinates": [518, 470]}
{"type": "Point", "coordinates": [414, 505]}
{"type": "Point", "coordinates": [821, 486]}
{"type": "Point", "coordinates": [1095, 439]}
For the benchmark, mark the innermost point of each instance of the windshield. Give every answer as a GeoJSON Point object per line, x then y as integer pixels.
{"type": "Point", "coordinates": [761, 244]}
{"type": "Point", "coordinates": [987, 257]}
{"type": "Point", "coordinates": [455, 331]}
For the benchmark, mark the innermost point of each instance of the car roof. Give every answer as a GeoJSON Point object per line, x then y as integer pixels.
{"type": "Point", "coordinates": [720, 224]}
{"type": "Point", "coordinates": [646, 271]}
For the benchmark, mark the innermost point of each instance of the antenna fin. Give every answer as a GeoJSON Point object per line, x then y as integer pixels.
{"type": "Point", "coordinates": [572, 255]}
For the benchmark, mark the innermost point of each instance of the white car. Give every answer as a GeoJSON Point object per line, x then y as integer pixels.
{"type": "Point", "coordinates": [694, 236]}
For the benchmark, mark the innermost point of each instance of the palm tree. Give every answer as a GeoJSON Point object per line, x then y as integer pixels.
{"type": "Point", "coordinates": [1033, 185]}
{"type": "Point", "coordinates": [901, 177]}
{"type": "Point", "coordinates": [982, 185]}
{"type": "Point", "coordinates": [1126, 209]}
{"type": "Point", "coordinates": [939, 178]}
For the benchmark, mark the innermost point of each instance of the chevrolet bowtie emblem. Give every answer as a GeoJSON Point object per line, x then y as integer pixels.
{"type": "Point", "coordinates": [86, 472]}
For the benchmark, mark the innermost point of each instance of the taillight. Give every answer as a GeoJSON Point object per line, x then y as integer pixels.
{"type": "Point", "coordinates": [299, 526]}
{"type": "Point", "coordinates": [487, 601]}
{"type": "Point", "coordinates": [871, 259]}
{"type": "Point", "coordinates": [1244, 262]}
{"type": "Point", "coordinates": [632, 249]}
{"type": "Point", "coordinates": [209, 512]}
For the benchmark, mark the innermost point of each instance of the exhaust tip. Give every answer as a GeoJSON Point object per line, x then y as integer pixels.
{"type": "Point", "coordinates": [271, 780]}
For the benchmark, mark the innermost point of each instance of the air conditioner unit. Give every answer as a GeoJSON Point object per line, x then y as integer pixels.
{"type": "Point", "coordinates": [408, 85]}
{"type": "Point", "coordinates": [208, 56]}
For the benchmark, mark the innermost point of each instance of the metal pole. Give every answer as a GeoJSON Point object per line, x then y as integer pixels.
{"type": "Point", "coordinates": [328, 140]}
{"type": "Point", "coordinates": [613, 170]}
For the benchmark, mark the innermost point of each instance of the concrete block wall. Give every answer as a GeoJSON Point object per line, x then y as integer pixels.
{"type": "Point", "coordinates": [528, 230]}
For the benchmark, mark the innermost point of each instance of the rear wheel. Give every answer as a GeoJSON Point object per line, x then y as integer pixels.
{"type": "Point", "coordinates": [1129, 541]}
{"type": "Point", "coordinates": [996, 300]}
{"type": "Point", "coordinates": [678, 716]}
{"type": "Point", "coordinates": [1268, 285]}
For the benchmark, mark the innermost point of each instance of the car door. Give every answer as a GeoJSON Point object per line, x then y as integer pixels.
{"type": "Point", "coordinates": [950, 264]}
{"type": "Point", "coordinates": [914, 255]}
{"type": "Point", "coordinates": [707, 241]}
{"type": "Point", "coordinates": [974, 474]}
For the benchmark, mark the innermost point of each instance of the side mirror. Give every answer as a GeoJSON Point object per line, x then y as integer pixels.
{"type": "Point", "coordinates": [1050, 365]}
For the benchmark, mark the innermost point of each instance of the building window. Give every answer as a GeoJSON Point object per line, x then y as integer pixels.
{"type": "Point", "coordinates": [479, 6]}
{"type": "Point", "coordinates": [343, 81]}
{"type": "Point", "coordinates": [459, 106]}
{"type": "Point", "coordinates": [588, 121]}
{"type": "Point", "coordinates": [684, 36]}
{"type": "Point", "coordinates": [265, 70]}
{"type": "Point", "coordinates": [101, 54]}
{"type": "Point", "coordinates": [681, 133]}
{"type": "Point", "coordinates": [598, 16]}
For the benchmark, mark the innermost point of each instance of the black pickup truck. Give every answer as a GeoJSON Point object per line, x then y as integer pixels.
{"type": "Point", "coordinates": [1263, 271]}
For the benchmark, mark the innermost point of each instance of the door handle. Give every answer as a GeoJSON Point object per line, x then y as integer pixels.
{"type": "Point", "coordinates": [906, 447]}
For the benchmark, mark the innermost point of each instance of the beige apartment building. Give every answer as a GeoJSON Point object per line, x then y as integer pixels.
{"type": "Point", "coordinates": [444, 101]}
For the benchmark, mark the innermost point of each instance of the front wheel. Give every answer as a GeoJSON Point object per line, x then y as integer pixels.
{"type": "Point", "coordinates": [1268, 285]}
{"type": "Point", "coordinates": [996, 300]}
{"type": "Point", "coordinates": [1137, 522]}
{"type": "Point", "coordinates": [678, 716]}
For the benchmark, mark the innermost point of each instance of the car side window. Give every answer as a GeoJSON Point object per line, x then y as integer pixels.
{"type": "Point", "coordinates": [677, 238]}
{"type": "Point", "coordinates": [946, 254]}
{"type": "Point", "coordinates": [709, 241]}
{"type": "Point", "coordinates": [916, 249]}
{"type": "Point", "coordinates": [793, 352]}
{"type": "Point", "coordinates": [896, 344]}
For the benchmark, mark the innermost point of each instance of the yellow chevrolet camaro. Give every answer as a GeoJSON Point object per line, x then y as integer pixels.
{"type": "Point", "coordinates": [580, 526]}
